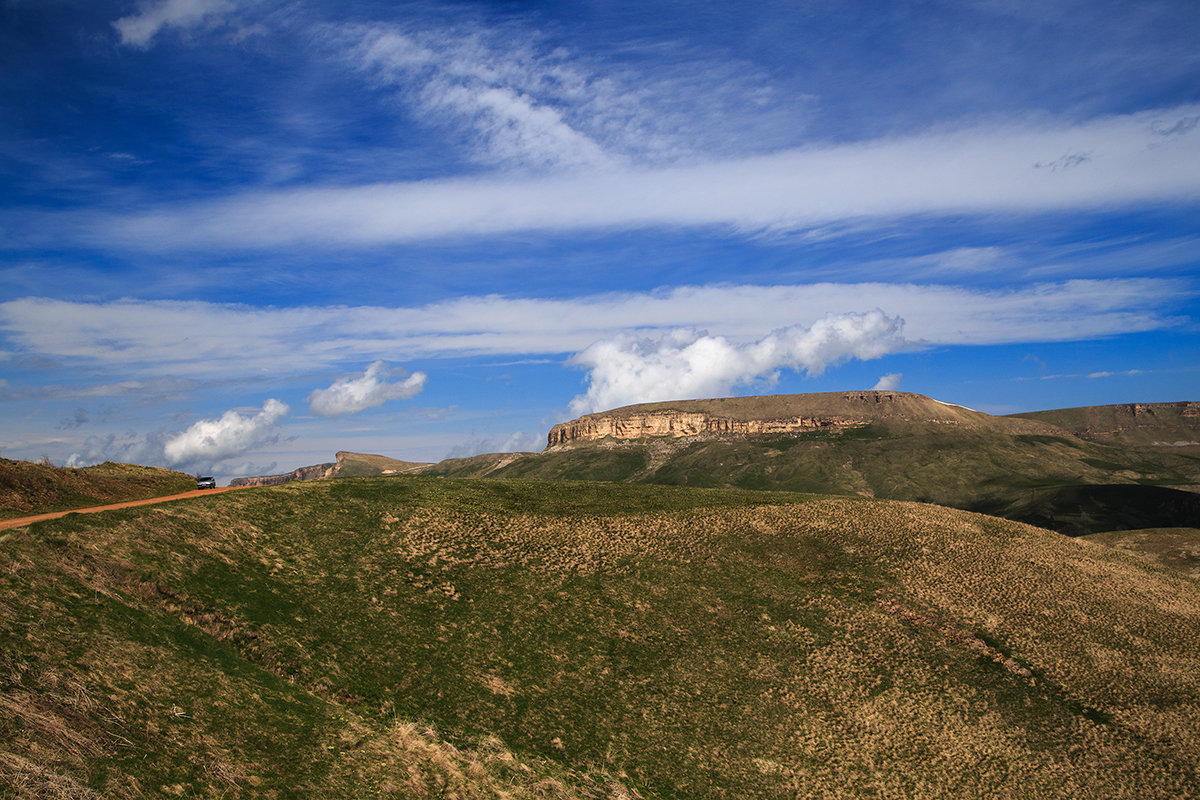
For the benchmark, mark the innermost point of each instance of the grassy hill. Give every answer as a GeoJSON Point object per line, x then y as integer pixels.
{"type": "Point", "coordinates": [366, 465]}
{"type": "Point", "coordinates": [28, 488]}
{"type": "Point", "coordinates": [347, 465]}
{"type": "Point", "coordinates": [897, 410]}
{"type": "Point", "coordinates": [1176, 548]}
{"type": "Point", "coordinates": [1155, 425]}
{"type": "Point", "coordinates": [425, 637]}
{"type": "Point", "coordinates": [988, 464]}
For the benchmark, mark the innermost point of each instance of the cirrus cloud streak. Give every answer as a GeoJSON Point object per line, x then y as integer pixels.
{"type": "Point", "coordinates": [148, 337]}
{"type": "Point", "coordinates": [1118, 161]}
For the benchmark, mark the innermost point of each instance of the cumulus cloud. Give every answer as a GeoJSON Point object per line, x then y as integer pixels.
{"type": "Point", "coordinates": [128, 448]}
{"type": "Point", "coordinates": [889, 382]}
{"type": "Point", "coordinates": [682, 364]}
{"type": "Point", "coordinates": [138, 30]}
{"type": "Point", "coordinates": [211, 440]}
{"type": "Point", "coordinates": [371, 389]}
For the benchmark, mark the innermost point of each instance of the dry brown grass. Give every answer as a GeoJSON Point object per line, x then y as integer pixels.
{"type": "Point", "coordinates": [830, 648]}
{"type": "Point", "coordinates": [1174, 548]}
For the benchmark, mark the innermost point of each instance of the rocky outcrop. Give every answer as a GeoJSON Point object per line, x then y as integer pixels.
{"type": "Point", "coordinates": [302, 474]}
{"type": "Point", "coordinates": [676, 424]}
{"type": "Point", "coordinates": [768, 414]}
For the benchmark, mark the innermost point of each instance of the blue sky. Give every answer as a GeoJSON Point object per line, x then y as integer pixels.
{"type": "Point", "coordinates": [237, 236]}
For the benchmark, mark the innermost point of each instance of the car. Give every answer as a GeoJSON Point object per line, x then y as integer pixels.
{"type": "Point", "coordinates": [206, 482]}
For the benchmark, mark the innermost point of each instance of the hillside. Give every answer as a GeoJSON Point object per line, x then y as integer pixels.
{"type": "Point", "coordinates": [1173, 548]}
{"type": "Point", "coordinates": [366, 465]}
{"type": "Point", "coordinates": [780, 414]}
{"type": "Point", "coordinates": [422, 637]}
{"type": "Point", "coordinates": [347, 465]}
{"type": "Point", "coordinates": [27, 488]}
{"type": "Point", "coordinates": [883, 444]}
{"type": "Point", "coordinates": [1155, 425]}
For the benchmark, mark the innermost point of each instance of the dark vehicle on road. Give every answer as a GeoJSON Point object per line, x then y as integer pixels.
{"type": "Point", "coordinates": [208, 482]}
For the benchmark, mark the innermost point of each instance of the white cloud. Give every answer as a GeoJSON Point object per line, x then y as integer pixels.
{"type": "Point", "coordinates": [196, 340]}
{"type": "Point", "coordinates": [129, 448]}
{"type": "Point", "coordinates": [992, 170]}
{"type": "Point", "coordinates": [515, 99]}
{"type": "Point", "coordinates": [889, 382]}
{"type": "Point", "coordinates": [683, 364]}
{"type": "Point", "coordinates": [1108, 374]}
{"type": "Point", "coordinates": [211, 440]}
{"type": "Point", "coordinates": [516, 442]}
{"type": "Point", "coordinates": [371, 389]}
{"type": "Point", "coordinates": [502, 94]}
{"type": "Point", "coordinates": [138, 30]}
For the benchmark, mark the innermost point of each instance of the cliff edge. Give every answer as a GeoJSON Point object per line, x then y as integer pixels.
{"type": "Point", "coordinates": [775, 414]}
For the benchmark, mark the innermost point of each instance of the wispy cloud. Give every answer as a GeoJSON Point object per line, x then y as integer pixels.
{"type": "Point", "coordinates": [207, 340]}
{"type": "Point", "coordinates": [516, 102]}
{"type": "Point", "coordinates": [371, 389]}
{"type": "Point", "coordinates": [1109, 374]}
{"type": "Point", "coordinates": [1077, 375]}
{"type": "Point", "coordinates": [515, 98]}
{"type": "Point", "coordinates": [138, 30]}
{"type": "Point", "coordinates": [516, 442]}
{"type": "Point", "coordinates": [1136, 159]}
{"type": "Point", "coordinates": [682, 364]}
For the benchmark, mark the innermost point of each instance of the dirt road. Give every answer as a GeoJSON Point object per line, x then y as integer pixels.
{"type": "Point", "coordinates": [5, 524]}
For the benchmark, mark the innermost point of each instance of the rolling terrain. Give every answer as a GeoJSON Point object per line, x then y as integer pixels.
{"type": "Point", "coordinates": [27, 488]}
{"type": "Point", "coordinates": [346, 465]}
{"type": "Point", "coordinates": [413, 636]}
{"type": "Point", "coordinates": [1173, 548]}
{"type": "Point", "coordinates": [887, 444]}
{"type": "Point", "coordinates": [1153, 425]}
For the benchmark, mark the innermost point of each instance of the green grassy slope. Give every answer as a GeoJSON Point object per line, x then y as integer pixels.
{"type": "Point", "coordinates": [1169, 425]}
{"type": "Point", "coordinates": [366, 465]}
{"type": "Point", "coordinates": [1176, 548]}
{"type": "Point", "coordinates": [27, 488]}
{"type": "Point", "coordinates": [413, 637]}
{"type": "Point", "coordinates": [1022, 476]}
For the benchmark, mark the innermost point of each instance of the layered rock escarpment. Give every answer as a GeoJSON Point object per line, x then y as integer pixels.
{"type": "Point", "coordinates": [302, 474]}
{"type": "Point", "coordinates": [731, 417]}
{"type": "Point", "coordinates": [675, 424]}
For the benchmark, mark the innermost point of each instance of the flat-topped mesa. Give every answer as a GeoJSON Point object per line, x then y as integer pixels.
{"type": "Point", "coordinates": [755, 416]}
{"type": "Point", "coordinates": [311, 473]}
{"type": "Point", "coordinates": [674, 424]}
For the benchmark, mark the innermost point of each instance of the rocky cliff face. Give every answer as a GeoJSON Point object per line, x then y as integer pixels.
{"type": "Point", "coordinates": [635, 423]}
{"type": "Point", "coordinates": [675, 424]}
{"type": "Point", "coordinates": [302, 474]}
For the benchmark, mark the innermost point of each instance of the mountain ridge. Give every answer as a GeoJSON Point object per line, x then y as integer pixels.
{"type": "Point", "coordinates": [773, 414]}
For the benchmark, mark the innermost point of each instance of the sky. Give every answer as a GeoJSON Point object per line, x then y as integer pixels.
{"type": "Point", "coordinates": [237, 236]}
